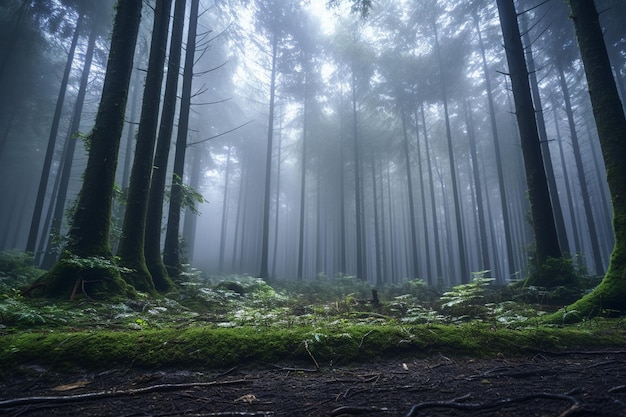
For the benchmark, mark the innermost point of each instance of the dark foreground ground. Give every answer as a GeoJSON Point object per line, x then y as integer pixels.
{"type": "Point", "coordinates": [587, 383]}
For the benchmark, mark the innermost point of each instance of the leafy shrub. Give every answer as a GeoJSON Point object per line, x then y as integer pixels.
{"type": "Point", "coordinates": [17, 270]}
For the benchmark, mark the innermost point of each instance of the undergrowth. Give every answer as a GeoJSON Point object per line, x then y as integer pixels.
{"type": "Point", "coordinates": [221, 320]}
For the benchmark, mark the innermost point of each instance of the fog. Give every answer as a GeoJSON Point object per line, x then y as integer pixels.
{"type": "Point", "coordinates": [394, 148]}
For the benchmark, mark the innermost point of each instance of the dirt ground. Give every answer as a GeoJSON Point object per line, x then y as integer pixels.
{"type": "Point", "coordinates": [545, 384]}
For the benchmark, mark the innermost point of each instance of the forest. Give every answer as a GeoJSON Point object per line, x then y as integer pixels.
{"type": "Point", "coordinates": [323, 181]}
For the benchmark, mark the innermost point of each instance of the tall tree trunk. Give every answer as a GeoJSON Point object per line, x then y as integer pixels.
{"type": "Point", "coordinates": [220, 265]}
{"type": "Point", "coordinates": [429, 271]}
{"type": "Point", "coordinates": [546, 239]}
{"type": "Point", "coordinates": [545, 145]}
{"type": "Point", "coordinates": [360, 250]}
{"type": "Point", "coordinates": [566, 180]}
{"type": "Point", "coordinates": [131, 249]}
{"type": "Point", "coordinates": [265, 238]}
{"type": "Point", "coordinates": [303, 182]}
{"type": "Point", "coordinates": [51, 254]}
{"type": "Point", "coordinates": [596, 259]}
{"type": "Point", "coordinates": [504, 206]}
{"type": "Point", "coordinates": [409, 180]}
{"type": "Point", "coordinates": [465, 274]}
{"type": "Point", "coordinates": [609, 114]}
{"type": "Point", "coordinates": [433, 205]}
{"type": "Point", "coordinates": [154, 215]}
{"type": "Point", "coordinates": [482, 225]}
{"type": "Point", "coordinates": [89, 232]}
{"type": "Point", "coordinates": [191, 215]}
{"type": "Point", "coordinates": [33, 234]}
{"type": "Point", "coordinates": [171, 250]}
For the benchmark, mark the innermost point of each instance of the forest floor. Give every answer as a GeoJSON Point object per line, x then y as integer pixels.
{"type": "Point", "coordinates": [566, 383]}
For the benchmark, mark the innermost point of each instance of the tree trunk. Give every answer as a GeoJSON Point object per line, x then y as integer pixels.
{"type": "Point", "coordinates": [465, 274]}
{"type": "Point", "coordinates": [51, 254]}
{"type": "Point", "coordinates": [545, 145]}
{"type": "Point", "coordinates": [154, 214]}
{"type": "Point", "coordinates": [171, 249]}
{"type": "Point", "coordinates": [89, 232]}
{"type": "Point", "coordinates": [608, 111]}
{"type": "Point", "coordinates": [508, 236]}
{"type": "Point", "coordinates": [482, 225]}
{"type": "Point", "coordinates": [409, 179]}
{"type": "Point", "coordinates": [33, 234]}
{"type": "Point", "coordinates": [220, 265]}
{"type": "Point", "coordinates": [596, 258]}
{"type": "Point", "coordinates": [360, 251]}
{"type": "Point", "coordinates": [303, 182]}
{"type": "Point", "coordinates": [546, 239]}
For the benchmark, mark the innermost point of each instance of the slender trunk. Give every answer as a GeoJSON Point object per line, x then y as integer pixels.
{"type": "Point", "coordinates": [303, 184]}
{"type": "Point", "coordinates": [51, 254]}
{"type": "Point", "coordinates": [433, 205]}
{"type": "Point", "coordinates": [568, 188]}
{"type": "Point", "coordinates": [171, 250]}
{"type": "Point", "coordinates": [596, 259]}
{"type": "Point", "coordinates": [154, 214]}
{"type": "Point", "coordinates": [360, 255]}
{"type": "Point", "coordinates": [507, 243]}
{"type": "Point", "coordinates": [465, 275]}
{"type": "Point", "coordinates": [545, 145]}
{"type": "Point", "coordinates": [482, 228]}
{"type": "Point", "coordinates": [33, 234]}
{"type": "Point", "coordinates": [220, 265]}
{"type": "Point", "coordinates": [546, 239]}
{"type": "Point", "coordinates": [409, 179]}
{"type": "Point", "coordinates": [429, 271]}
{"type": "Point", "coordinates": [131, 246]}
{"type": "Point", "coordinates": [265, 238]}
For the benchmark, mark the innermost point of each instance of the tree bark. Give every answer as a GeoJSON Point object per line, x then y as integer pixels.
{"type": "Point", "coordinates": [172, 250]}
{"type": "Point", "coordinates": [154, 215]}
{"type": "Point", "coordinates": [89, 232]}
{"type": "Point", "coordinates": [33, 234]}
{"type": "Point", "coordinates": [608, 111]}
{"type": "Point", "coordinates": [546, 239]}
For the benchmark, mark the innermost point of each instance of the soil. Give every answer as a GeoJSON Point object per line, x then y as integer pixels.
{"type": "Point", "coordinates": [562, 384]}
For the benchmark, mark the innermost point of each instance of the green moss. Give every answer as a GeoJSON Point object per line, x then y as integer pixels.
{"type": "Point", "coordinates": [69, 278]}
{"type": "Point", "coordinates": [219, 348]}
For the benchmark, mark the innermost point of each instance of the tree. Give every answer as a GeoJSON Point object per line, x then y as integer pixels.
{"type": "Point", "coordinates": [154, 214]}
{"type": "Point", "coordinates": [131, 249]}
{"type": "Point", "coordinates": [31, 244]}
{"type": "Point", "coordinates": [91, 222]}
{"type": "Point", "coordinates": [545, 273]}
{"type": "Point", "coordinates": [608, 112]}
{"type": "Point", "coordinates": [172, 250]}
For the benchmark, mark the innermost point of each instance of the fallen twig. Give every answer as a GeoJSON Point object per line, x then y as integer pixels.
{"type": "Point", "coordinates": [113, 393]}
{"type": "Point", "coordinates": [355, 410]}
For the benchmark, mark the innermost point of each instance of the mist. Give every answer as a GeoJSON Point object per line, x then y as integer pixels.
{"type": "Point", "coordinates": [322, 142]}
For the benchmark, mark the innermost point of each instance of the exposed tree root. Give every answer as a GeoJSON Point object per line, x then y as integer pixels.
{"type": "Point", "coordinates": [456, 404]}
{"type": "Point", "coordinates": [112, 393]}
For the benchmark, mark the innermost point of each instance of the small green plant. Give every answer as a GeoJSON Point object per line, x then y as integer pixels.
{"type": "Point", "coordinates": [467, 301]}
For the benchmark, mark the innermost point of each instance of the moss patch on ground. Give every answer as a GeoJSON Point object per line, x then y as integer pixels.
{"type": "Point", "coordinates": [225, 347]}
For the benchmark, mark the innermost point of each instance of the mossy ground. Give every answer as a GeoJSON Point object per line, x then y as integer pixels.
{"type": "Point", "coordinates": [206, 347]}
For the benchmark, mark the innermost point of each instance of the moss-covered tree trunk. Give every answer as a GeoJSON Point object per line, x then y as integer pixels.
{"type": "Point", "coordinates": [131, 250]}
{"type": "Point", "coordinates": [91, 223]}
{"type": "Point", "coordinates": [154, 261]}
{"type": "Point", "coordinates": [609, 115]}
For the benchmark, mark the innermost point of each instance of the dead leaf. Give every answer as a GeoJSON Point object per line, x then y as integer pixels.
{"type": "Point", "coordinates": [68, 387]}
{"type": "Point", "coordinates": [248, 398]}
